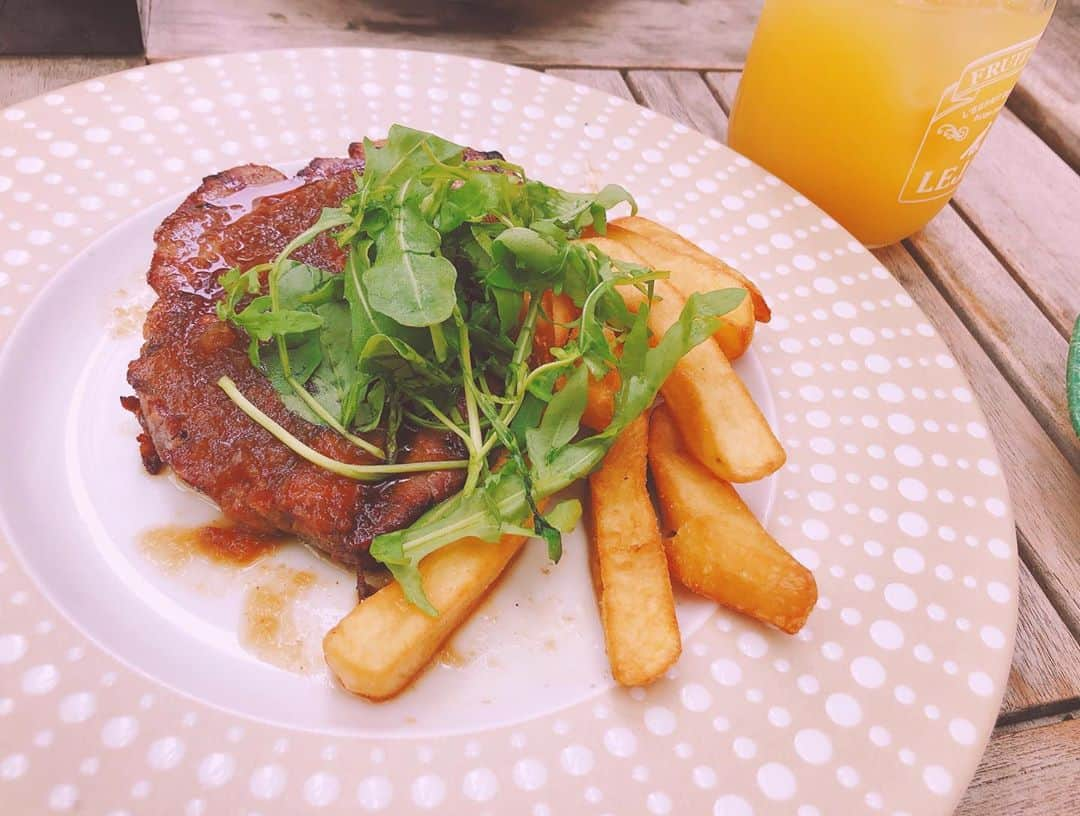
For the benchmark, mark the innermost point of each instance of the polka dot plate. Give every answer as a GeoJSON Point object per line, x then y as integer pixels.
{"type": "Point", "coordinates": [132, 679]}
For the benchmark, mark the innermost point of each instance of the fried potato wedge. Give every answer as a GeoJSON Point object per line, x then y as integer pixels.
{"type": "Point", "coordinates": [384, 642]}
{"type": "Point", "coordinates": [724, 274]}
{"type": "Point", "coordinates": [637, 608]}
{"type": "Point", "coordinates": [718, 549]}
{"type": "Point", "coordinates": [688, 276]}
{"type": "Point", "coordinates": [552, 328]}
{"type": "Point", "coordinates": [710, 402]}
{"type": "Point", "coordinates": [600, 401]}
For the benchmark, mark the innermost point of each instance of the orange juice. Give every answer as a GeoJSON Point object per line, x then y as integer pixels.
{"type": "Point", "coordinates": [875, 108]}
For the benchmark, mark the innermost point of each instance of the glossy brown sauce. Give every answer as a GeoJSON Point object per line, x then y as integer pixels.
{"type": "Point", "coordinates": [173, 547]}
{"type": "Point", "coordinates": [243, 201]}
{"type": "Point", "coordinates": [237, 205]}
{"type": "Point", "coordinates": [268, 627]}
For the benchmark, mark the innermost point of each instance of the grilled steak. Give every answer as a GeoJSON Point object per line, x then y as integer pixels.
{"type": "Point", "coordinates": [241, 217]}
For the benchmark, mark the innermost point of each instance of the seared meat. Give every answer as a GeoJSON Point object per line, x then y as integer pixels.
{"type": "Point", "coordinates": [241, 217]}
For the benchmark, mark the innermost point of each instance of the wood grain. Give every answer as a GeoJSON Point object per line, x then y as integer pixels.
{"type": "Point", "coordinates": [1033, 771]}
{"type": "Point", "coordinates": [1045, 673]}
{"type": "Point", "coordinates": [610, 82]}
{"type": "Point", "coordinates": [102, 27]}
{"type": "Point", "coordinates": [1026, 209]}
{"type": "Point", "coordinates": [682, 95]}
{"type": "Point", "coordinates": [724, 84]}
{"type": "Point", "coordinates": [603, 33]}
{"type": "Point", "coordinates": [1045, 489]}
{"type": "Point", "coordinates": [1003, 318]}
{"type": "Point", "coordinates": [1046, 97]}
{"type": "Point", "coordinates": [26, 77]}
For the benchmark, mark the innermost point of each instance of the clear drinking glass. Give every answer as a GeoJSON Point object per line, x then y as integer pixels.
{"type": "Point", "coordinates": [875, 108]}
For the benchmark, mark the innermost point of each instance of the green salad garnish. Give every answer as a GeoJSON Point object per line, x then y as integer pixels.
{"type": "Point", "coordinates": [431, 325]}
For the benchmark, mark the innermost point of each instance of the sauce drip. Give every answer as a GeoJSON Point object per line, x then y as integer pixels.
{"type": "Point", "coordinates": [129, 314]}
{"type": "Point", "coordinates": [268, 625]}
{"type": "Point", "coordinates": [174, 547]}
{"type": "Point", "coordinates": [452, 658]}
{"type": "Point", "coordinates": [243, 201]}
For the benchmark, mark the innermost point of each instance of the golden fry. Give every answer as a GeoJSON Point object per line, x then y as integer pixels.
{"type": "Point", "coordinates": [710, 404]}
{"type": "Point", "coordinates": [384, 642]}
{"type": "Point", "coordinates": [688, 276]}
{"type": "Point", "coordinates": [637, 608]}
{"type": "Point", "coordinates": [718, 548]}
{"type": "Point", "coordinates": [600, 401]}
{"type": "Point", "coordinates": [725, 275]}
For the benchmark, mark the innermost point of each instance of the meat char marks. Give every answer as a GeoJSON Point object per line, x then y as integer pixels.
{"type": "Point", "coordinates": [241, 217]}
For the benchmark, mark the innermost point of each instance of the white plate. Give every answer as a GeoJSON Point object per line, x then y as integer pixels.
{"type": "Point", "coordinates": [123, 682]}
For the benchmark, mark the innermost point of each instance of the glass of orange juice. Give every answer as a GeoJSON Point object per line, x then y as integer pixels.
{"type": "Point", "coordinates": [875, 108]}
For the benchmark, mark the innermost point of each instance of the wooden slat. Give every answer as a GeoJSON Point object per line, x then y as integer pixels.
{"type": "Point", "coordinates": [610, 82]}
{"type": "Point", "coordinates": [26, 77]}
{"type": "Point", "coordinates": [1024, 344]}
{"type": "Point", "coordinates": [1046, 97]}
{"type": "Point", "coordinates": [1045, 489]}
{"type": "Point", "coordinates": [1032, 771]}
{"type": "Point", "coordinates": [687, 34]}
{"type": "Point", "coordinates": [1045, 673]}
{"type": "Point", "coordinates": [101, 27]}
{"type": "Point", "coordinates": [145, 7]}
{"type": "Point", "coordinates": [1037, 680]}
{"type": "Point", "coordinates": [724, 85]}
{"type": "Point", "coordinates": [1024, 202]}
{"type": "Point", "coordinates": [682, 95]}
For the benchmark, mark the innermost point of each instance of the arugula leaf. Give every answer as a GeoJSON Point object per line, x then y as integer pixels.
{"type": "Point", "coordinates": [303, 360]}
{"type": "Point", "coordinates": [565, 515]}
{"type": "Point", "coordinates": [365, 321]}
{"type": "Point", "coordinates": [560, 422]}
{"type": "Point", "coordinates": [298, 282]}
{"type": "Point", "coordinates": [698, 321]}
{"type": "Point", "coordinates": [481, 195]}
{"type": "Point", "coordinates": [408, 282]}
{"type": "Point", "coordinates": [527, 251]}
{"type": "Point", "coordinates": [333, 379]}
{"type": "Point", "coordinates": [263, 323]}
{"type": "Point", "coordinates": [406, 153]}
{"type": "Point", "coordinates": [577, 211]}
{"type": "Point", "coordinates": [395, 361]}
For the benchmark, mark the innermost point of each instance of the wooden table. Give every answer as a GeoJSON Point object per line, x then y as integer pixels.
{"type": "Point", "coordinates": [997, 272]}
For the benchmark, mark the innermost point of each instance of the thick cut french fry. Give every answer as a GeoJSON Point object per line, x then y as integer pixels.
{"type": "Point", "coordinates": [712, 406]}
{"type": "Point", "coordinates": [709, 402]}
{"type": "Point", "coordinates": [600, 401]}
{"type": "Point", "coordinates": [552, 329]}
{"type": "Point", "coordinates": [688, 276]}
{"type": "Point", "coordinates": [615, 249]}
{"type": "Point", "coordinates": [718, 549]}
{"type": "Point", "coordinates": [671, 239]}
{"type": "Point", "coordinates": [637, 608]}
{"type": "Point", "coordinates": [384, 642]}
